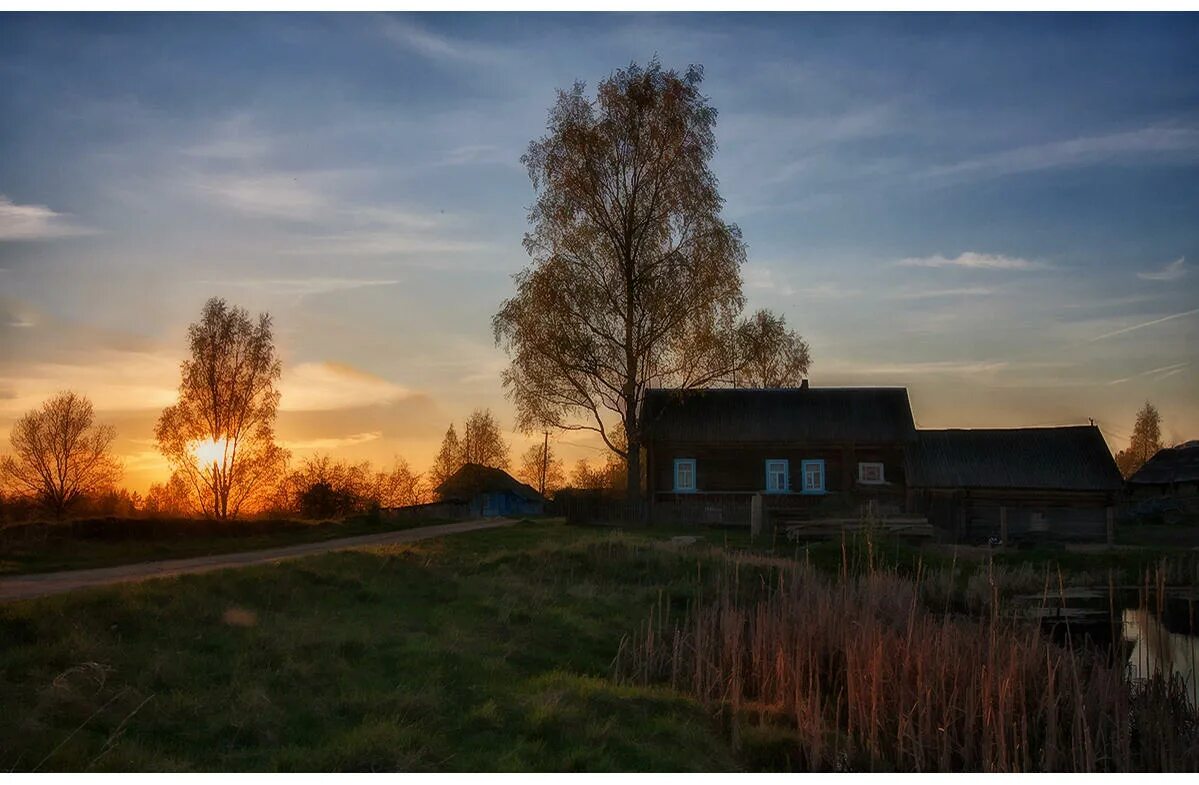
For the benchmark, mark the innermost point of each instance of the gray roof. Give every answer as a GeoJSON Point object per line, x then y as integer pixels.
{"type": "Point", "coordinates": [1074, 458]}
{"type": "Point", "coordinates": [474, 478]}
{"type": "Point", "coordinates": [1172, 464]}
{"type": "Point", "coordinates": [794, 415]}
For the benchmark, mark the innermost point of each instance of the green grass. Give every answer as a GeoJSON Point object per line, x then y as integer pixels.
{"type": "Point", "coordinates": [486, 651]}
{"type": "Point", "coordinates": [65, 552]}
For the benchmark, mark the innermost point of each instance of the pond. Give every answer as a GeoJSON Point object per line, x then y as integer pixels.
{"type": "Point", "coordinates": [1153, 629]}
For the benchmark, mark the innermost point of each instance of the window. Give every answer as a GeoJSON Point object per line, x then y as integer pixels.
{"type": "Point", "coordinates": [870, 473]}
{"type": "Point", "coordinates": [777, 476]}
{"type": "Point", "coordinates": [813, 476]}
{"type": "Point", "coordinates": [684, 475]}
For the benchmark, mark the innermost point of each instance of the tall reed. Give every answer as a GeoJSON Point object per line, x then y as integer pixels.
{"type": "Point", "coordinates": [865, 676]}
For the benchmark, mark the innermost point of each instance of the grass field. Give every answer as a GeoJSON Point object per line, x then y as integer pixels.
{"type": "Point", "coordinates": [495, 650]}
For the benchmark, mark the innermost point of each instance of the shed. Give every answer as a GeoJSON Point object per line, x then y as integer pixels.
{"type": "Point", "coordinates": [1166, 488]}
{"type": "Point", "coordinates": [1015, 482]}
{"type": "Point", "coordinates": [488, 492]}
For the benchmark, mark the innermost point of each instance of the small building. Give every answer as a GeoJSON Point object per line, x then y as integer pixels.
{"type": "Point", "coordinates": [1015, 483]}
{"type": "Point", "coordinates": [1166, 488]}
{"type": "Point", "coordinates": [810, 451]}
{"type": "Point", "coordinates": [486, 492]}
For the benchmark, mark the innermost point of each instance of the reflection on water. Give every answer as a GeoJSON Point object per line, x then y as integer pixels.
{"type": "Point", "coordinates": [1156, 650]}
{"type": "Point", "coordinates": [1156, 635]}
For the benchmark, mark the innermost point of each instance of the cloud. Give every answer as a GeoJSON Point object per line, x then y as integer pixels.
{"type": "Point", "coordinates": [1163, 372]}
{"type": "Point", "coordinates": [415, 38]}
{"type": "Point", "coordinates": [325, 386]}
{"type": "Point", "coordinates": [333, 442]}
{"type": "Point", "coordinates": [1081, 151]}
{"type": "Point", "coordinates": [930, 294]}
{"type": "Point", "coordinates": [1171, 272]}
{"type": "Point", "coordinates": [35, 222]}
{"type": "Point", "coordinates": [280, 195]}
{"type": "Point", "coordinates": [114, 380]}
{"type": "Point", "coordinates": [1142, 325]}
{"type": "Point", "coordinates": [974, 261]}
{"type": "Point", "coordinates": [302, 287]}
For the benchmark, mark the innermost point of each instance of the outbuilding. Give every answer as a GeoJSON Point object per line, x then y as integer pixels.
{"type": "Point", "coordinates": [487, 492]}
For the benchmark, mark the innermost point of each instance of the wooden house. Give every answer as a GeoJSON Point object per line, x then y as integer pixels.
{"type": "Point", "coordinates": [1166, 488]}
{"type": "Point", "coordinates": [1015, 483]}
{"type": "Point", "coordinates": [486, 492]}
{"type": "Point", "coordinates": [810, 451]}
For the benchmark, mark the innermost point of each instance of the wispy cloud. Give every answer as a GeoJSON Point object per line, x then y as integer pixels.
{"type": "Point", "coordinates": [35, 222]}
{"type": "Point", "coordinates": [302, 287]}
{"type": "Point", "coordinates": [325, 386]}
{"type": "Point", "coordinates": [931, 294]}
{"type": "Point", "coordinates": [1171, 272]}
{"type": "Point", "coordinates": [280, 195]}
{"type": "Point", "coordinates": [415, 38]}
{"type": "Point", "coordinates": [1080, 151]}
{"type": "Point", "coordinates": [974, 261]}
{"type": "Point", "coordinates": [332, 442]}
{"type": "Point", "coordinates": [1143, 325]}
{"type": "Point", "coordinates": [1164, 372]}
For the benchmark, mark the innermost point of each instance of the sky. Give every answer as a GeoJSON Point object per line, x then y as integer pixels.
{"type": "Point", "coordinates": [1000, 213]}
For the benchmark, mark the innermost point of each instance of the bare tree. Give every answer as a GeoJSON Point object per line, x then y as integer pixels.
{"type": "Point", "coordinates": [540, 468]}
{"type": "Point", "coordinates": [1145, 442]}
{"type": "Point", "coordinates": [219, 438]}
{"type": "Point", "coordinates": [399, 487]}
{"type": "Point", "coordinates": [60, 455]}
{"type": "Point", "coordinates": [635, 278]}
{"type": "Point", "coordinates": [482, 441]}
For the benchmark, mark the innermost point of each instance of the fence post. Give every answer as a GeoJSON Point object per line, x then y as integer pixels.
{"type": "Point", "coordinates": [1003, 526]}
{"type": "Point", "coordinates": [755, 516]}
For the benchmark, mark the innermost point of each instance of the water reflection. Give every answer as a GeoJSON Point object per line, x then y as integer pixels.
{"type": "Point", "coordinates": [1156, 650]}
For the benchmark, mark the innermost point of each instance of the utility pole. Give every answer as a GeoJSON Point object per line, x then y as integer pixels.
{"type": "Point", "coordinates": [545, 460]}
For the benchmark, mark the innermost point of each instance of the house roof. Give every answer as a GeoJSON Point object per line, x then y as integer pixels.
{"type": "Point", "coordinates": [1074, 458]}
{"type": "Point", "coordinates": [1171, 464]}
{"type": "Point", "coordinates": [870, 415]}
{"type": "Point", "coordinates": [474, 478]}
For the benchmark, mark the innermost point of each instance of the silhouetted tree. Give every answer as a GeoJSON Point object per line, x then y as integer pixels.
{"type": "Point", "coordinates": [399, 487]}
{"type": "Point", "coordinates": [768, 354]}
{"type": "Point", "coordinates": [541, 468]}
{"type": "Point", "coordinates": [59, 455]}
{"type": "Point", "coordinates": [635, 277]}
{"type": "Point", "coordinates": [1145, 442]}
{"type": "Point", "coordinates": [219, 438]}
{"type": "Point", "coordinates": [482, 442]}
{"type": "Point", "coordinates": [448, 460]}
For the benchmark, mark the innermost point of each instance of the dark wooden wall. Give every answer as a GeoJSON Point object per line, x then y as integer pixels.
{"type": "Point", "coordinates": [974, 516]}
{"type": "Point", "coordinates": [721, 469]}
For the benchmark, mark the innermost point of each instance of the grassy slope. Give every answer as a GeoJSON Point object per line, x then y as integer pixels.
{"type": "Point", "coordinates": [67, 553]}
{"type": "Point", "coordinates": [483, 651]}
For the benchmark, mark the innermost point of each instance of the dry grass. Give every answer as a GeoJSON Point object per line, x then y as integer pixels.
{"type": "Point", "coordinates": [856, 672]}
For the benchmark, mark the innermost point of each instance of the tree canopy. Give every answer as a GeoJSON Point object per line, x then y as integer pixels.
{"type": "Point", "coordinates": [219, 438]}
{"type": "Point", "coordinates": [634, 279]}
{"type": "Point", "coordinates": [1145, 442]}
{"type": "Point", "coordinates": [60, 454]}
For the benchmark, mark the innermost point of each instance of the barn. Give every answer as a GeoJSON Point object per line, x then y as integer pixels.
{"type": "Point", "coordinates": [487, 492]}
{"type": "Point", "coordinates": [1015, 484]}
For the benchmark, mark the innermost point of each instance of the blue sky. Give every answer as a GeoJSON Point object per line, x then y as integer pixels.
{"type": "Point", "coordinates": [999, 212]}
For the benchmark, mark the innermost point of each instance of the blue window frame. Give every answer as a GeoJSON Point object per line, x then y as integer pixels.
{"type": "Point", "coordinates": [813, 476]}
{"type": "Point", "coordinates": [778, 475]}
{"type": "Point", "coordinates": [684, 475]}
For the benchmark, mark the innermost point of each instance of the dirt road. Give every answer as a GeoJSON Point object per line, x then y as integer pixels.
{"type": "Point", "coordinates": [24, 587]}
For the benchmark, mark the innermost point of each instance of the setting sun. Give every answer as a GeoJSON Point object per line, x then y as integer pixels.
{"type": "Point", "coordinates": [209, 450]}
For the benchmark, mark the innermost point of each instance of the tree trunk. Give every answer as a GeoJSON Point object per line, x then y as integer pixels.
{"type": "Point", "coordinates": [633, 480]}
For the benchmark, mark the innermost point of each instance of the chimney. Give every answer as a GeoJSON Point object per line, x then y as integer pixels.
{"type": "Point", "coordinates": [803, 385]}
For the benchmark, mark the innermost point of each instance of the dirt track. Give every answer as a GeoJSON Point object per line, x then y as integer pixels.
{"type": "Point", "coordinates": [24, 587]}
